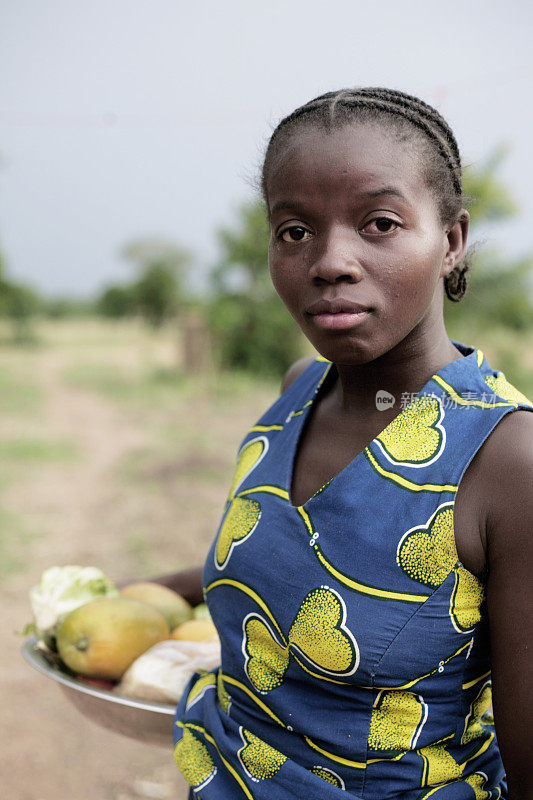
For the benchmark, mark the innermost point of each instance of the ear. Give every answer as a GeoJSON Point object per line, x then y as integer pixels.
{"type": "Point", "coordinates": [456, 236]}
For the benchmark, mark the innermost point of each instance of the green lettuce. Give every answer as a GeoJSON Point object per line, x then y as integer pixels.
{"type": "Point", "coordinates": [61, 590]}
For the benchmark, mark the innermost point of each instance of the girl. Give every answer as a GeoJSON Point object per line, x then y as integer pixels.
{"type": "Point", "coordinates": [371, 576]}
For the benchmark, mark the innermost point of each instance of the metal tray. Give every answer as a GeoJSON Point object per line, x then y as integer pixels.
{"type": "Point", "coordinates": [144, 721]}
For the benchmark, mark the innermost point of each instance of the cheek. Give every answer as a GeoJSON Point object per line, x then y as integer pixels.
{"type": "Point", "coordinates": [418, 273]}
{"type": "Point", "coordinates": [282, 276]}
{"type": "Point", "coordinates": [407, 286]}
{"type": "Point", "coordinates": [280, 287]}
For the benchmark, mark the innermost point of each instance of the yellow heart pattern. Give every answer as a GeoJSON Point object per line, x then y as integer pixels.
{"type": "Point", "coordinates": [465, 604]}
{"type": "Point", "coordinates": [473, 725]}
{"type": "Point", "coordinates": [501, 386]}
{"type": "Point", "coordinates": [427, 554]}
{"type": "Point", "coordinates": [266, 659]}
{"type": "Point", "coordinates": [194, 760]}
{"type": "Point", "coordinates": [439, 765]}
{"type": "Point", "coordinates": [319, 633]}
{"type": "Point", "coordinates": [222, 693]}
{"type": "Point", "coordinates": [415, 437]}
{"type": "Point", "coordinates": [199, 687]}
{"type": "Point", "coordinates": [396, 722]}
{"type": "Point", "coordinates": [243, 513]}
{"type": "Point", "coordinates": [477, 781]}
{"type": "Point", "coordinates": [259, 759]}
{"type": "Point", "coordinates": [329, 776]}
{"type": "Point", "coordinates": [249, 457]}
{"type": "Point", "coordinates": [240, 522]}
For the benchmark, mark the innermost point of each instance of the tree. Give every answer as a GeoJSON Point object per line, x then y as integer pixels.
{"type": "Point", "coordinates": [20, 304]}
{"type": "Point", "coordinates": [499, 288]}
{"type": "Point", "coordinates": [158, 291]}
{"type": "Point", "coordinates": [116, 302]}
{"type": "Point", "coordinates": [244, 257]}
{"type": "Point", "coordinates": [250, 326]}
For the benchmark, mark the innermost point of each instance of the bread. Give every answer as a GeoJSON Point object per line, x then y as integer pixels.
{"type": "Point", "coordinates": [162, 672]}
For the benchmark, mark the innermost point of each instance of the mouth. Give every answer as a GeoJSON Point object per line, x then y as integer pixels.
{"type": "Point", "coordinates": [338, 314]}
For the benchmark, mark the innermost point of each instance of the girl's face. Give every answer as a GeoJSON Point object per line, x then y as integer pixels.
{"type": "Point", "coordinates": [357, 247]}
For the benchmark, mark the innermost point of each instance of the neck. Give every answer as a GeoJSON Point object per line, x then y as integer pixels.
{"type": "Point", "coordinates": [404, 369]}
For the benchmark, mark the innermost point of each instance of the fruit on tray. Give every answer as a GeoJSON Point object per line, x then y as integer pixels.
{"type": "Point", "coordinates": [172, 605]}
{"type": "Point", "coordinates": [60, 590]}
{"type": "Point", "coordinates": [102, 638]}
{"type": "Point", "coordinates": [105, 636]}
{"type": "Point", "coordinates": [201, 612]}
{"type": "Point", "coordinates": [195, 630]}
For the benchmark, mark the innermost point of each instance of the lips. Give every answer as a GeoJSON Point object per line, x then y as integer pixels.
{"type": "Point", "coordinates": [337, 306]}
{"type": "Point", "coordinates": [338, 314]}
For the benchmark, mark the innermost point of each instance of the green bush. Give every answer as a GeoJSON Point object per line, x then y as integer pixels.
{"type": "Point", "coordinates": [253, 336]}
{"type": "Point", "coordinates": [68, 308]}
{"type": "Point", "coordinates": [116, 302]}
{"type": "Point", "coordinates": [499, 289]}
{"type": "Point", "coordinates": [250, 327]}
{"type": "Point", "coordinates": [156, 294]}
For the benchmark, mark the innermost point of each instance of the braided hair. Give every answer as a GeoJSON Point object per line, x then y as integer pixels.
{"type": "Point", "coordinates": [409, 116]}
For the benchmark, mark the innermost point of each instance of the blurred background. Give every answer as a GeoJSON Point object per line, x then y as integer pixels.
{"type": "Point", "coordinates": [139, 335]}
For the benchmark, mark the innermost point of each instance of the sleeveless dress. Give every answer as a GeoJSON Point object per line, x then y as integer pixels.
{"type": "Point", "coordinates": [355, 651]}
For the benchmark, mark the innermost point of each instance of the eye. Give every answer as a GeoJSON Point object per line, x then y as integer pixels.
{"type": "Point", "coordinates": [296, 233]}
{"type": "Point", "coordinates": [381, 225]}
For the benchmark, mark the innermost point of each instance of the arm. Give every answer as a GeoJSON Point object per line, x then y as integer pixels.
{"type": "Point", "coordinates": [509, 526]}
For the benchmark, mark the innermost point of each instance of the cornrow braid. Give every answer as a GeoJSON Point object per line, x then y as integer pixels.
{"type": "Point", "coordinates": [443, 162]}
{"type": "Point", "coordinates": [431, 114]}
{"type": "Point", "coordinates": [420, 115]}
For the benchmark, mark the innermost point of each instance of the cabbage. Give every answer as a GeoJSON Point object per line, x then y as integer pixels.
{"type": "Point", "coordinates": [61, 590]}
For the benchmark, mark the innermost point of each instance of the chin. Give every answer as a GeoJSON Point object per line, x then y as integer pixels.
{"type": "Point", "coordinates": [349, 353]}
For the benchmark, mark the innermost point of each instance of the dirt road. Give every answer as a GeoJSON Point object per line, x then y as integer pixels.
{"type": "Point", "coordinates": [86, 510]}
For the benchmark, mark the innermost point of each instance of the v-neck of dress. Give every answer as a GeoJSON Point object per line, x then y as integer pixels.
{"type": "Point", "coordinates": [309, 406]}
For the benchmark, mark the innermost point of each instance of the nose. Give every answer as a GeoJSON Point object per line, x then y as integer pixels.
{"type": "Point", "coordinates": [337, 259]}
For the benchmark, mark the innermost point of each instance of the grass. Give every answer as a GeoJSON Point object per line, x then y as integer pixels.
{"type": "Point", "coordinates": [15, 536]}
{"type": "Point", "coordinates": [21, 449]}
{"type": "Point", "coordinates": [119, 384]}
{"type": "Point", "coordinates": [137, 545]}
{"type": "Point", "coordinates": [153, 468]}
{"type": "Point", "coordinates": [162, 384]}
{"type": "Point", "coordinates": [18, 395]}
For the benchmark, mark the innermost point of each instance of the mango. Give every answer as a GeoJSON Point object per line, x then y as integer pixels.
{"type": "Point", "coordinates": [172, 605]}
{"type": "Point", "coordinates": [102, 638]}
{"type": "Point", "coordinates": [195, 630]}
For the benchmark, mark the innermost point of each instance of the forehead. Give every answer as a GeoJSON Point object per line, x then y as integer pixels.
{"type": "Point", "coordinates": [355, 159]}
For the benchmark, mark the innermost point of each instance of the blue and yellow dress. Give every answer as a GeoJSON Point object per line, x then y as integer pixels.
{"type": "Point", "coordinates": [355, 650]}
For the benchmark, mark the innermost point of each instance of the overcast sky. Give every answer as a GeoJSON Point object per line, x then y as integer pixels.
{"type": "Point", "coordinates": [121, 119]}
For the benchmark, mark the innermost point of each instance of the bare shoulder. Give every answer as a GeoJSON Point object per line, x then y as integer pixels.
{"type": "Point", "coordinates": [295, 370]}
{"type": "Point", "coordinates": [504, 471]}
{"type": "Point", "coordinates": [508, 458]}
{"type": "Point", "coordinates": [509, 448]}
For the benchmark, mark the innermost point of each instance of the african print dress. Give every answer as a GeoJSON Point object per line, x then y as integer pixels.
{"type": "Point", "coordinates": [355, 657]}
